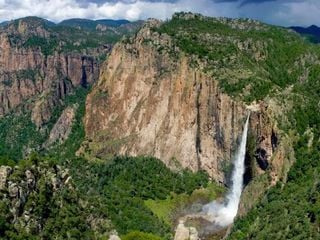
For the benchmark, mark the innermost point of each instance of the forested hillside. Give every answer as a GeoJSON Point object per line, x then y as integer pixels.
{"type": "Point", "coordinates": [273, 63]}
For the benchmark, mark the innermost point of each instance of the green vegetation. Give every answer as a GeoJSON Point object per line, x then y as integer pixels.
{"type": "Point", "coordinates": [47, 46]}
{"type": "Point", "coordinates": [18, 135]}
{"type": "Point", "coordinates": [123, 185]}
{"type": "Point", "coordinates": [29, 74]}
{"type": "Point", "coordinates": [136, 235]}
{"type": "Point", "coordinates": [249, 59]}
{"type": "Point", "coordinates": [292, 210]}
{"type": "Point", "coordinates": [114, 190]}
{"type": "Point", "coordinates": [54, 210]}
{"type": "Point", "coordinates": [68, 149]}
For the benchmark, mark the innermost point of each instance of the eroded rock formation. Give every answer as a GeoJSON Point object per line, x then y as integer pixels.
{"type": "Point", "coordinates": [61, 130]}
{"type": "Point", "coordinates": [33, 80]}
{"type": "Point", "coordinates": [150, 101]}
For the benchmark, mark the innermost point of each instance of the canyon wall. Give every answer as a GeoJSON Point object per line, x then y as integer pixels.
{"type": "Point", "coordinates": [150, 101]}
{"type": "Point", "coordinates": [27, 75]}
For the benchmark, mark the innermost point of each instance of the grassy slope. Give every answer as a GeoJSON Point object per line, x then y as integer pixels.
{"type": "Point", "coordinates": [170, 208]}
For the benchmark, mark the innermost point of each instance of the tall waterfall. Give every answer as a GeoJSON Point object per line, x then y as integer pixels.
{"type": "Point", "coordinates": [222, 214]}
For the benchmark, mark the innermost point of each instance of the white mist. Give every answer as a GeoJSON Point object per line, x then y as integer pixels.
{"type": "Point", "coordinates": [223, 214]}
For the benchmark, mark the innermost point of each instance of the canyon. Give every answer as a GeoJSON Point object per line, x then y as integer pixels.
{"type": "Point", "coordinates": [112, 133]}
{"type": "Point", "coordinates": [149, 102]}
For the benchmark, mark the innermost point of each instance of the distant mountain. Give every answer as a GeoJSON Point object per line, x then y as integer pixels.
{"type": "Point", "coordinates": [113, 23]}
{"type": "Point", "coordinates": [31, 21]}
{"type": "Point", "coordinates": [87, 24]}
{"type": "Point", "coordinates": [312, 32]}
{"type": "Point", "coordinates": [41, 64]}
{"type": "Point", "coordinates": [117, 26]}
{"type": "Point", "coordinates": [4, 23]}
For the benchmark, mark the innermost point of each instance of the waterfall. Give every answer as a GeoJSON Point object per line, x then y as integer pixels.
{"type": "Point", "coordinates": [222, 214]}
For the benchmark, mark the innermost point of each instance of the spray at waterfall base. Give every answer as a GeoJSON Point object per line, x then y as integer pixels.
{"type": "Point", "coordinates": [215, 215]}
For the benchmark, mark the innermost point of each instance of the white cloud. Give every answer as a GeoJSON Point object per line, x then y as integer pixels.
{"type": "Point", "coordinates": [57, 10]}
{"type": "Point", "coordinates": [303, 13]}
{"type": "Point", "coordinates": [287, 12]}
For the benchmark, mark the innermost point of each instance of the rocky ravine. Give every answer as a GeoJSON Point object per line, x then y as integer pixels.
{"type": "Point", "coordinates": [149, 101]}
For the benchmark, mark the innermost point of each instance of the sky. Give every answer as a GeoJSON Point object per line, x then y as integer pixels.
{"type": "Point", "coordinates": [278, 12]}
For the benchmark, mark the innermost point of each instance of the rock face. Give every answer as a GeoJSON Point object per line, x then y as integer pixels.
{"type": "Point", "coordinates": [5, 171]}
{"type": "Point", "coordinates": [149, 101]}
{"type": "Point", "coordinates": [185, 233]}
{"type": "Point", "coordinates": [63, 126]}
{"type": "Point", "coordinates": [30, 75]}
{"type": "Point", "coordinates": [36, 80]}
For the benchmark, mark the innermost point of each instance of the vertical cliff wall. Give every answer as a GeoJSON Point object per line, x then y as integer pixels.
{"type": "Point", "coordinates": [38, 70]}
{"type": "Point", "coordinates": [150, 101]}
{"type": "Point", "coordinates": [27, 74]}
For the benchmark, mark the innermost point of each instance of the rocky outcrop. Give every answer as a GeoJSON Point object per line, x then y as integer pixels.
{"type": "Point", "coordinates": [5, 171]}
{"type": "Point", "coordinates": [186, 233]}
{"type": "Point", "coordinates": [62, 128]}
{"type": "Point", "coordinates": [114, 237]}
{"type": "Point", "coordinates": [19, 187]}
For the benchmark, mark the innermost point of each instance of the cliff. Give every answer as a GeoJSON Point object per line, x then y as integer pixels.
{"type": "Point", "coordinates": [37, 81]}
{"type": "Point", "coordinates": [43, 66]}
{"type": "Point", "coordinates": [150, 100]}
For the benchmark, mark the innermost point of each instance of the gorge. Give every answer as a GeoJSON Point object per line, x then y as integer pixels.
{"type": "Point", "coordinates": [113, 140]}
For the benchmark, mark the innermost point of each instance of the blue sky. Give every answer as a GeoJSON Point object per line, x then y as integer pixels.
{"type": "Point", "coordinates": [279, 12]}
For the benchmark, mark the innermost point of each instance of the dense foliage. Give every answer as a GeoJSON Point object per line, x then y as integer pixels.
{"type": "Point", "coordinates": [67, 149]}
{"type": "Point", "coordinates": [124, 183]}
{"type": "Point", "coordinates": [91, 25]}
{"type": "Point", "coordinates": [251, 60]}
{"type": "Point", "coordinates": [18, 135]}
{"type": "Point", "coordinates": [55, 212]}
{"type": "Point", "coordinates": [100, 192]}
{"type": "Point", "coordinates": [47, 46]}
